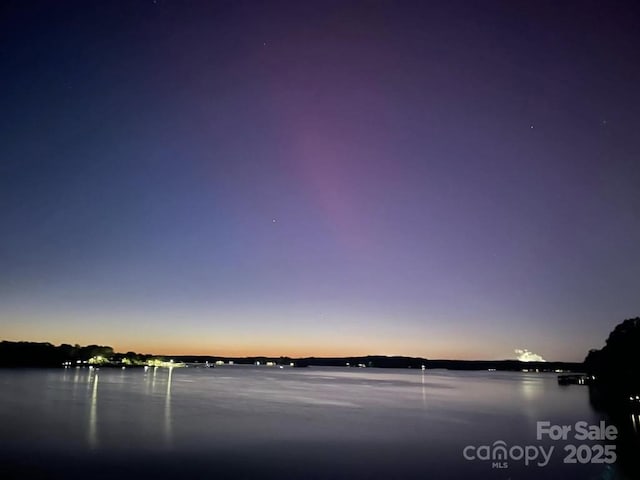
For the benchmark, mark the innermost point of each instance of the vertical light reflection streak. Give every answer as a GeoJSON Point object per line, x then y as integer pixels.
{"type": "Point", "coordinates": [167, 411]}
{"type": "Point", "coordinates": [147, 379]}
{"type": "Point", "coordinates": [76, 379]}
{"type": "Point", "coordinates": [93, 415]}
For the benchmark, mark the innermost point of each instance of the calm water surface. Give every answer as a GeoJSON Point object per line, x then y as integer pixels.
{"type": "Point", "coordinates": [262, 422]}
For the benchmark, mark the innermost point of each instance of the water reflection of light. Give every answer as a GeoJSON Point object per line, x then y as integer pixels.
{"type": "Point", "coordinates": [424, 390]}
{"type": "Point", "coordinates": [147, 381]}
{"type": "Point", "coordinates": [93, 416]}
{"type": "Point", "coordinates": [167, 410]}
{"type": "Point", "coordinates": [153, 379]}
{"type": "Point", "coordinates": [635, 420]}
{"type": "Point", "coordinates": [530, 388]}
{"type": "Point", "coordinates": [76, 379]}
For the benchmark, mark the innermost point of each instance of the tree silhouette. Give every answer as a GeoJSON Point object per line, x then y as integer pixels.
{"type": "Point", "coordinates": [617, 364]}
{"type": "Point", "coordinates": [617, 370]}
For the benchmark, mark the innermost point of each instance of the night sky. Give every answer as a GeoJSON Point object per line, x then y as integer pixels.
{"type": "Point", "coordinates": [438, 179]}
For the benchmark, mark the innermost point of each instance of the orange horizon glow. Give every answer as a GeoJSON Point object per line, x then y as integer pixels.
{"type": "Point", "coordinates": [266, 351]}
{"type": "Point", "coordinates": [244, 338]}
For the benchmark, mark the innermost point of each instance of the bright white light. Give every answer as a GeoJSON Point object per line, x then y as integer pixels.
{"type": "Point", "coordinates": [525, 355]}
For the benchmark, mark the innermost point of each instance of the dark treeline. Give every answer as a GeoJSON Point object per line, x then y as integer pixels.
{"type": "Point", "coordinates": [508, 365]}
{"type": "Point", "coordinates": [375, 361]}
{"type": "Point", "coordinates": [617, 365]}
{"type": "Point", "coordinates": [378, 361]}
{"type": "Point", "coordinates": [615, 390]}
{"type": "Point", "coordinates": [31, 354]}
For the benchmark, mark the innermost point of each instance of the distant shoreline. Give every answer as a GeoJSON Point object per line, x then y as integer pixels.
{"type": "Point", "coordinates": [381, 361]}
{"type": "Point", "coordinates": [34, 354]}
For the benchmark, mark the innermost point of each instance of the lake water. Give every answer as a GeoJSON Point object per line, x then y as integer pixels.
{"type": "Point", "coordinates": [264, 422]}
